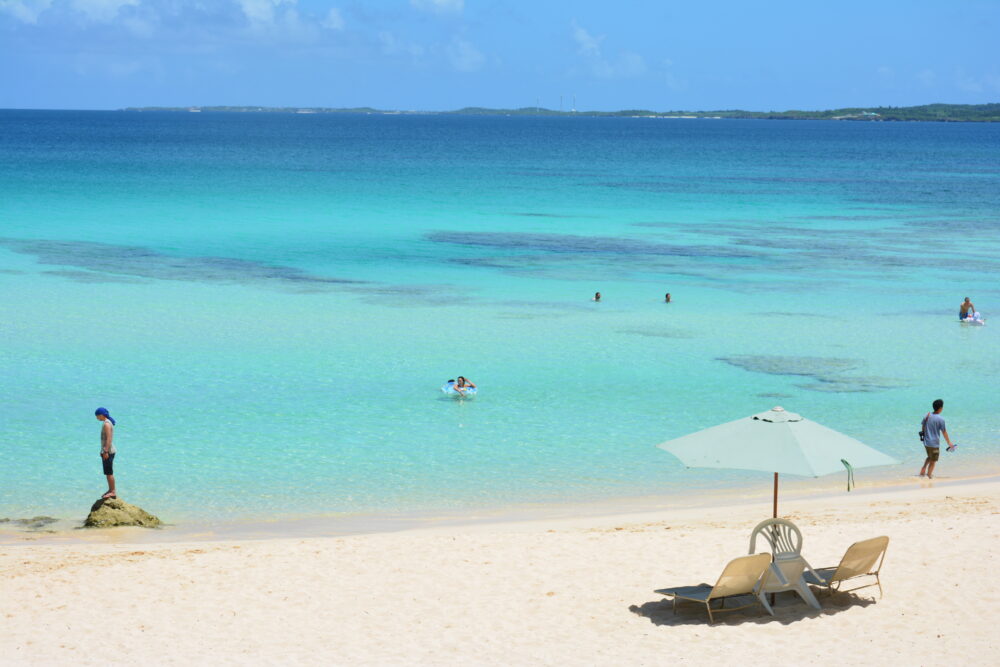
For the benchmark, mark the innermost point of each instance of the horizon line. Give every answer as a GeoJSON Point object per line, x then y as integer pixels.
{"type": "Point", "coordinates": [529, 108]}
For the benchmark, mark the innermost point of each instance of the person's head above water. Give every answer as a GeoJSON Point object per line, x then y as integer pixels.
{"type": "Point", "coordinates": [966, 299]}
{"type": "Point", "coordinates": [102, 414]}
{"type": "Point", "coordinates": [597, 296]}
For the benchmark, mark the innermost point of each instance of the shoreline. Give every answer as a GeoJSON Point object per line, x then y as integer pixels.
{"type": "Point", "coordinates": [792, 493]}
{"type": "Point", "coordinates": [569, 591]}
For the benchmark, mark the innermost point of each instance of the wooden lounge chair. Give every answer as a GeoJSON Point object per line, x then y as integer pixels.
{"type": "Point", "coordinates": [863, 559]}
{"type": "Point", "coordinates": [743, 576]}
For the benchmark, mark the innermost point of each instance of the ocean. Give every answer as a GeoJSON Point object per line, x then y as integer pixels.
{"type": "Point", "coordinates": [269, 303]}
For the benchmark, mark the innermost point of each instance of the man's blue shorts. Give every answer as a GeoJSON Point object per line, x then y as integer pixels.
{"type": "Point", "coordinates": [108, 463]}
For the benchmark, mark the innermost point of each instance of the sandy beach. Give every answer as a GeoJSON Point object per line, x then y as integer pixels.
{"type": "Point", "coordinates": [571, 591]}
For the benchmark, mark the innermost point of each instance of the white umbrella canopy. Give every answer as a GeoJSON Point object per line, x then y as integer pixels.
{"type": "Point", "coordinates": [775, 441]}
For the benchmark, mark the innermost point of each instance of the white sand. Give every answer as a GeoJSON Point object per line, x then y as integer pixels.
{"type": "Point", "coordinates": [555, 592]}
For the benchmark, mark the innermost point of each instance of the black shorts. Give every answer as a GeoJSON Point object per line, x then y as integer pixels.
{"type": "Point", "coordinates": [108, 464]}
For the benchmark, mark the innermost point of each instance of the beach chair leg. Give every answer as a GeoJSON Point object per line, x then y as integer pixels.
{"type": "Point", "coordinates": [807, 596]}
{"type": "Point", "coordinates": [708, 606]}
{"type": "Point", "coordinates": [879, 582]}
{"type": "Point", "coordinates": [762, 598]}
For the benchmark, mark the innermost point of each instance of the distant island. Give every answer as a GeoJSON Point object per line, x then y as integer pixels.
{"type": "Point", "coordinates": [950, 113]}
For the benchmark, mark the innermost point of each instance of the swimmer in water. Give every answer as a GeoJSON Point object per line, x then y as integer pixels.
{"type": "Point", "coordinates": [463, 385]}
{"type": "Point", "coordinates": [666, 299]}
{"type": "Point", "coordinates": [966, 309]}
{"type": "Point", "coordinates": [597, 296]}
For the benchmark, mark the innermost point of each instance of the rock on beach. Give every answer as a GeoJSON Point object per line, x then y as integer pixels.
{"type": "Point", "coordinates": [113, 512]}
{"type": "Point", "coordinates": [34, 523]}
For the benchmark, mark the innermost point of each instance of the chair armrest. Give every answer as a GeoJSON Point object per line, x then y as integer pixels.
{"type": "Point", "coordinates": [809, 570]}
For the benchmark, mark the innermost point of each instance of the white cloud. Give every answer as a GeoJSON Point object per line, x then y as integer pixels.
{"type": "Point", "coordinates": [464, 56]}
{"type": "Point", "coordinates": [94, 11]}
{"type": "Point", "coordinates": [625, 64]}
{"type": "Point", "coordinates": [392, 46]}
{"type": "Point", "coordinates": [98, 11]}
{"type": "Point", "coordinates": [986, 83]}
{"type": "Point", "coordinates": [967, 83]}
{"type": "Point", "coordinates": [629, 64]}
{"type": "Point", "coordinates": [926, 77]}
{"type": "Point", "coordinates": [280, 21]}
{"type": "Point", "coordinates": [333, 20]}
{"type": "Point", "coordinates": [124, 69]}
{"type": "Point", "coordinates": [388, 41]}
{"type": "Point", "coordinates": [103, 66]}
{"type": "Point", "coordinates": [885, 71]}
{"type": "Point", "coordinates": [672, 81]}
{"type": "Point", "coordinates": [590, 45]}
{"type": "Point", "coordinates": [262, 11]}
{"type": "Point", "coordinates": [26, 11]}
{"type": "Point", "coordinates": [101, 11]}
{"type": "Point", "coordinates": [439, 6]}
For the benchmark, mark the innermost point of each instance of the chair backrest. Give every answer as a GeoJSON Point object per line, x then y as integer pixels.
{"type": "Point", "coordinates": [741, 576]}
{"type": "Point", "coordinates": [861, 558]}
{"type": "Point", "coordinates": [781, 535]}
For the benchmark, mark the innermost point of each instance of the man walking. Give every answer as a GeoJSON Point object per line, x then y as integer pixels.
{"type": "Point", "coordinates": [933, 429]}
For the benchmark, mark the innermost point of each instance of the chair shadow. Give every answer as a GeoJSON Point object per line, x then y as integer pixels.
{"type": "Point", "coordinates": [788, 608]}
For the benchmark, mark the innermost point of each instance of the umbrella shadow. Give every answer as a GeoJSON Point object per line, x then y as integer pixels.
{"type": "Point", "coordinates": [788, 608]}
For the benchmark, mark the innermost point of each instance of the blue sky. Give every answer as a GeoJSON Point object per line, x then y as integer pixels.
{"type": "Point", "coordinates": [446, 54]}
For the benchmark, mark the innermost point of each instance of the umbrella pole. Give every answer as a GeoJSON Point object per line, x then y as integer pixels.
{"type": "Point", "coordinates": [775, 516]}
{"type": "Point", "coordinates": [775, 495]}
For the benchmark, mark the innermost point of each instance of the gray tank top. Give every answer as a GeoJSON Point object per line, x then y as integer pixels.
{"type": "Point", "coordinates": [105, 432]}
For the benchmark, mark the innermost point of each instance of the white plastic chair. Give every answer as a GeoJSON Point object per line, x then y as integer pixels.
{"type": "Point", "coordinates": [788, 565]}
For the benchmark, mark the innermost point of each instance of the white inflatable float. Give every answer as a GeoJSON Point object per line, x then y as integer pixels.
{"type": "Point", "coordinates": [448, 389]}
{"type": "Point", "coordinates": [974, 320]}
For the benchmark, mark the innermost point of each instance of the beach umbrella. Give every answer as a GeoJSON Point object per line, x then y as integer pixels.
{"type": "Point", "coordinates": [775, 441]}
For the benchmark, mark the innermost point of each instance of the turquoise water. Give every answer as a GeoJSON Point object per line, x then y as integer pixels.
{"type": "Point", "coordinates": [269, 303]}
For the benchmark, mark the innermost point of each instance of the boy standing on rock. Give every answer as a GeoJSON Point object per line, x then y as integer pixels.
{"type": "Point", "coordinates": [107, 449]}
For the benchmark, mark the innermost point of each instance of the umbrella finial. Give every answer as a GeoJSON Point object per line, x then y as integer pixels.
{"type": "Point", "coordinates": [777, 415]}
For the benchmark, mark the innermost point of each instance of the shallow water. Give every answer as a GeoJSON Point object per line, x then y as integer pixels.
{"type": "Point", "coordinates": [269, 303]}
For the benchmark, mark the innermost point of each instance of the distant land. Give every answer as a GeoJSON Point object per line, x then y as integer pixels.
{"type": "Point", "coordinates": [950, 113]}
